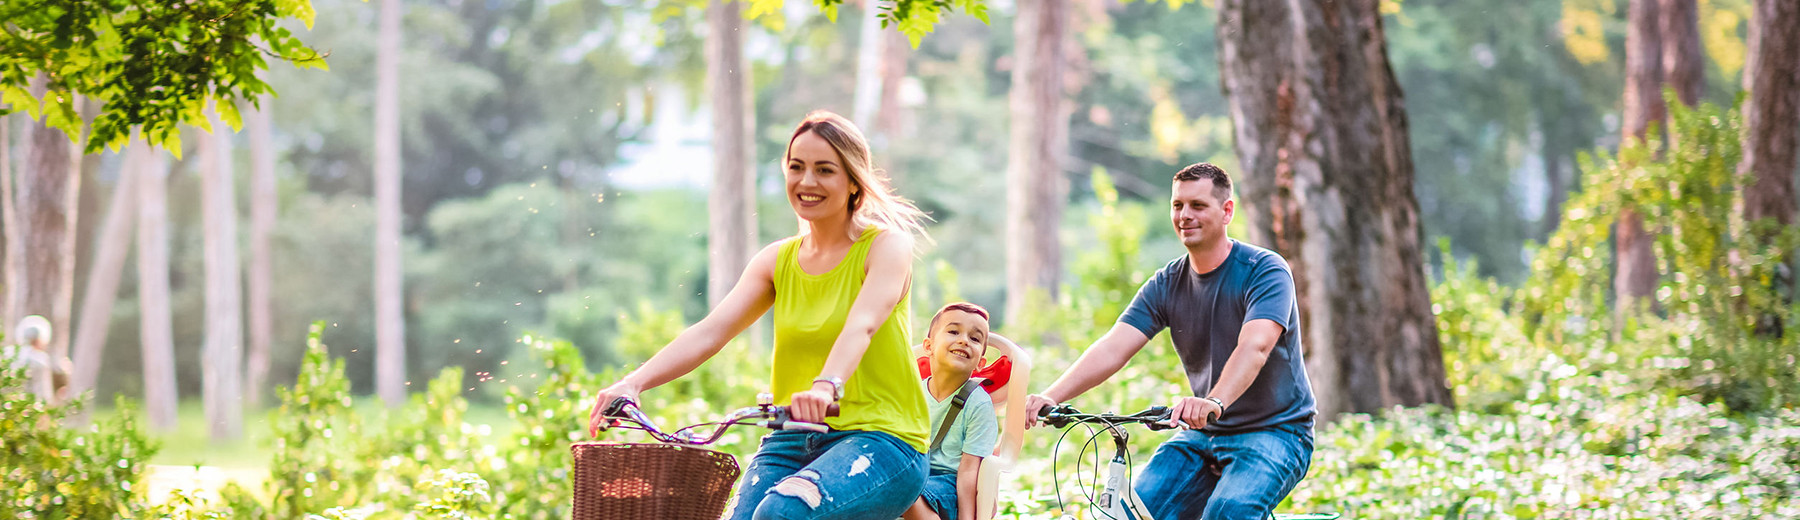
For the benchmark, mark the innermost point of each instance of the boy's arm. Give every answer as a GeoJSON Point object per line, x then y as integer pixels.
{"type": "Point", "coordinates": [967, 473]}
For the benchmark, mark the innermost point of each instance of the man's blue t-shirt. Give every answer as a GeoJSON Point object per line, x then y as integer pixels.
{"type": "Point", "coordinates": [1205, 312]}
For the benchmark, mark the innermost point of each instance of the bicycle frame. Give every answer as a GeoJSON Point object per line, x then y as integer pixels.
{"type": "Point", "coordinates": [1117, 499]}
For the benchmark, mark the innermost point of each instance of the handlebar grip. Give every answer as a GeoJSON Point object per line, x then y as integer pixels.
{"type": "Point", "coordinates": [831, 411]}
{"type": "Point", "coordinates": [812, 427]}
{"type": "Point", "coordinates": [617, 406]}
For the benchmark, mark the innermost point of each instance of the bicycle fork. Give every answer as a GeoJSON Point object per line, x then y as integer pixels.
{"type": "Point", "coordinates": [1118, 498]}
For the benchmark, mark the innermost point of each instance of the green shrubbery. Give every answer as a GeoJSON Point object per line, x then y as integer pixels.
{"type": "Point", "coordinates": [51, 472]}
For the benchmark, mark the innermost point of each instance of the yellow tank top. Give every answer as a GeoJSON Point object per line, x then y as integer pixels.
{"type": "Point", "coordinates": [810, 310]}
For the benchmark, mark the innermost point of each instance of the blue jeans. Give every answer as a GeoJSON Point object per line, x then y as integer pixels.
{"type": "Point", "coordinates": [1240, 476]}
{"type": "Point", "coordinates": [835, 475]}
{"type": "Point", "coordinates": [940, 493]}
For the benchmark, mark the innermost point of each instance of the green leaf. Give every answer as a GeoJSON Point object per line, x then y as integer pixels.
{"type": "Point", "coordinates": [228, 112]}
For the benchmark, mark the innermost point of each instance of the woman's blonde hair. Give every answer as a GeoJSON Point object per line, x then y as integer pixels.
{"type": "Point", "coordinates": [875, 203]}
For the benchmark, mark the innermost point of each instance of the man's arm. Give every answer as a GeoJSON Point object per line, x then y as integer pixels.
{"type": "Point", "coordinates": [1255, 341]}
{"type": "Point", "coordinates": [968, 472]}
{"type": "Point", "coordinates": [1098, 363]}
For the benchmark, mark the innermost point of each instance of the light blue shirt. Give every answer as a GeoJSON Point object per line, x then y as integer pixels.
{"type": "Point", "coordinates": [975, 432]}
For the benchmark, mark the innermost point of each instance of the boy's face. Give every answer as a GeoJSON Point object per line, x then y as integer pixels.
{"type": "Point", "coordinates": [957, 343]}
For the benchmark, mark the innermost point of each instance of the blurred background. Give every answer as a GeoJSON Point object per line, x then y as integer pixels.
{"type": "Point", "coordinates": [561, 169]}
{"type": "Point", "coordinates": [557, 156]}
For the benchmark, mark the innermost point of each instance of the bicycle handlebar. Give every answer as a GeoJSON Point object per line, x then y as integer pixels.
{"type": "Point", "coordinates": [1155, 417]}
{"type": "Point", "coordinates": [764, 415]}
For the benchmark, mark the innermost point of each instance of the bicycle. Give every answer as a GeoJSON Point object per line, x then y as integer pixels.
{"type": "Point", "coordinates": [1117, 499]}
{"type": "Point", "coordinates": [673, 478]}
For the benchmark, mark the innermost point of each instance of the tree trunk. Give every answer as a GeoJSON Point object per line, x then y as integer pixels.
{"type": "Point", "coordinates": [1327, 179]}
{"type": "Point", "coordinates": [15, 235]}
{"type": "Point", "coordinates": [1683, 64]}
{"type": "Point", "coordinates": [731, 238]}
{"type": "Point", "coordinates": [1773, 78]}
{"type": "Point", "coordinates": [1772, 75]}
{"type": "Point", "coordinates": [1035, 184]}
{"type": "Point", "coordinates": [390, 318]}
{"type": "Point", "coordinates": [1635, 279]}
{"type": "Point", "coordinates": [45, 206]}
{"type": "Point", "coordinates": [102, 288]}
{"type": "Point", "coordinates": [895, 51]}
{"type": "Point", "coordinates": [155, 329]}
{"type": "Point", "coordinates": [866, 98]}
{"type": "Point", "coordinates": [262, 223]}
{"type": "Point", "coordinates": [223, 359]}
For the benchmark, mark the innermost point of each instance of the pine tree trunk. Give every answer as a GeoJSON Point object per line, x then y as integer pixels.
{"type": "Point", "coordinates": [1035, 184]}
{"type": "Point", "coordinates": [390, 317]}
{"type": "Point", "coordinates": [1772, 75]}
{"type": "Point", "coordinates": [223, 358]}
{"type": "Point", "coordinates": [262, 223]}
{"type": "Point", "coordinates": [155, 325]}
{"type": "Point", "coordinates": [111, 248]}
{"type": "Point", "coordinates": [1635, 278]}
{"type": "Point", "coordinates": [1327, 182]}
{"type": "Point", "coordinates": [731, 238]}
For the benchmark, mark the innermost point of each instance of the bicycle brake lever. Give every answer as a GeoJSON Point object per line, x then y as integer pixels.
{"type": "Point", "coordinates": [1161, 421]}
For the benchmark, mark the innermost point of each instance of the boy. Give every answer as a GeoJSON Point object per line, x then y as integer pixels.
{"type": "Point", "coordinates": [964, 429]}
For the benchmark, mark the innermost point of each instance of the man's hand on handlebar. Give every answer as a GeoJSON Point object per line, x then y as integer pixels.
{"type": "Point", "coordinates": [1034, 406]}
{"type": "Point", "coordinates": [596, 416]}
{"type": "Point", "coordinates": [1193, 413]}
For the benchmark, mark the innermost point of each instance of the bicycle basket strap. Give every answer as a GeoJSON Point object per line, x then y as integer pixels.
{"type": "Point", "coordinates": [956, 407]}
{"type": "Point", "coordinates": [614, 480]}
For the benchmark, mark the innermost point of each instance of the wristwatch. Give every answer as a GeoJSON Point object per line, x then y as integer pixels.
{"type": "Point", "coordinates": [837, 386]}
{"type": "Point", "coordinates": [1216, 401]}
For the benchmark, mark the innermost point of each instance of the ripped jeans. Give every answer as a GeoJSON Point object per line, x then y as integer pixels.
{"type": "Point", "coordinates": [827, 476]}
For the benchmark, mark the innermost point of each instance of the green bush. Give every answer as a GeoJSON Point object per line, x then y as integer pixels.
{"type": "Point", "coordinates": [52, 472]}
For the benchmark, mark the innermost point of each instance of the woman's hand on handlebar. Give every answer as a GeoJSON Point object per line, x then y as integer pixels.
{"type": "Point", "coordinates": [622, 389]}
{"type": "Point", "coordinates": [811, 406]}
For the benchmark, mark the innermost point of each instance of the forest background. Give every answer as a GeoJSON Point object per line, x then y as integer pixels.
{"type": "Point", "coordinates": [554, 159]}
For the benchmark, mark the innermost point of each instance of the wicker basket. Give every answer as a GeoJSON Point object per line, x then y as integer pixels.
{"type": "Point", "coordinates": [615, 481]}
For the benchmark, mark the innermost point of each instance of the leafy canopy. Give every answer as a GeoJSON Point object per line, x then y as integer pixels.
{"type": "Point", "coordinates": [150, 64]}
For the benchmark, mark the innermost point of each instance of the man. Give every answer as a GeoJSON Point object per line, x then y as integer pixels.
{"type": "Point", "coordinates": [1230, 309]}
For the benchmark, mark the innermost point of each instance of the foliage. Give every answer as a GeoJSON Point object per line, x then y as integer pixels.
{"type": "Point", "coordinates": [1486, 351]}
{"type": "Point", "coordinates": [316, 462]}
{"type": "Point", "coordinates": [460, 496]}
{"type": "Point", "coordinates": [53, 472]}
{"type": "Point", "coordinates": [1717, 294]}
{"type": "Point", "coordinates": [153, 65]}
{"type": "Point", "coordinates": [1586, 444]}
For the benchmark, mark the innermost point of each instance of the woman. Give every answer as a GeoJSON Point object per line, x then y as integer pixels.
{"type": "Point", "coordinates": [839, 293]}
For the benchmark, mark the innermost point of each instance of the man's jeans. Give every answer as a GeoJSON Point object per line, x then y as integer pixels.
{"type": "Point", "coordinates": [835, 475]}
{"type": "Point", "coordinates": [1240, 476]}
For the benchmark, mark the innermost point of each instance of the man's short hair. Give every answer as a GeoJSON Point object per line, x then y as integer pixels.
{"type": "Point", "coordinates": [1207, 171]}
{"type": "Point", "coordinates": [958, 306]}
